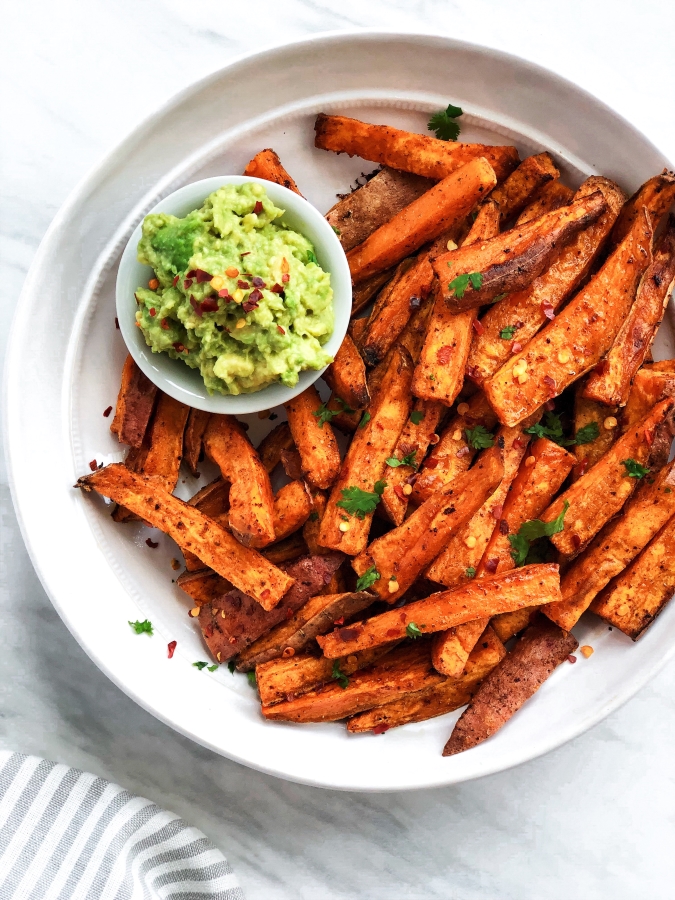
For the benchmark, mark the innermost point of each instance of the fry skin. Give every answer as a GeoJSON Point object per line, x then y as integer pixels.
{"type": "Point", "coordinates": [520, 315]}
{"type": "Point", "coordinates": [635, 598]}
{"type": "Point", "coordinates": [518, 676]}
{"type": "Point", "coordinates": [552, 196]}
{"type": "Point", "coordinates": [191, 530]}
{"type": "Point", "coordinates": [403, 553]}
{"type": "Point", "coordinates": [364, 463]}
{"type": "Point", "coordinates": [610, 382]}
{"type": "Point", "coordinates": [434, 701]}
{"type": "Point", "coordinates": [203, 586]}
{"type": "Point", "coordinates": [426, 156]}
{"type": "Point", "coordinates": [267, 165]}
{"type": "Point", "coordinates": [513, 195]}
{"type": "Point", "coordinates": [270, 448]}
{"type": "Point", "coordinates": [657, 195]}
{"type": "Point", "coordinates": [577, 338]}
{"type": "Point", "coordinates": [586, 412]}
{"type": "Point", "coordinates": [488, 596]}
{"type": "Point", "coordinates": [615, 547]}
{"type": "Point", "coordinates": [600, 493]}
{"type": "Point", "coordinates": [135, 402]}
{"type": "Point", "coordinates": [251, 514]}
{"type": "Point", "coordinates": [440, 208]}
{"type": "Point", "coordinates": [513, 259]}
{"type": "Point", "coordinates": [315, 442]}
{"type": "Point", "coordinates": [346, 375]}
{"type": "Point", "coordinates": [193, 439]}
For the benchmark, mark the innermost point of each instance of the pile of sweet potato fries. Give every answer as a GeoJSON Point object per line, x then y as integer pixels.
{"type": "Point", "coordinates": [507, 467]}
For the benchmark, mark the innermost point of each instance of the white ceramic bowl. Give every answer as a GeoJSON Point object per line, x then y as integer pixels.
{"type": "Point", "coordinates": [186, 384]}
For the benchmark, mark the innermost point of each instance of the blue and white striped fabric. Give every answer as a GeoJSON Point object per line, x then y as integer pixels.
{"type": "Point", "coordinates": [68, 835]}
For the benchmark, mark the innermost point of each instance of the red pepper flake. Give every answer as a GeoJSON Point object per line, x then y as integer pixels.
{"type": "Point", "coordinates": [281, 330]}
{"type": "Point", "coordinates": [117, 323]}
{"type": "Point", "coordinates": [473, 372]}
{"type": "Point", "coordinates": [548, 310]}
{"type": "Point", "coordinates": [178, 347]}
{"type": "Point", "coordinates": [571, 658]}
{"type": "Point", "coordinates": [503, 526]}
{"type": "Point", "coordinates": [431, 463]}
{"type": "Point", "coordinates": [285, 278]}
{"type": "Point", "coordinates": [93, 465]}
{"type": "Point", "coordinates": [491, 565]}
{"type": "Point", "coordinates": [340, 621]}
{"type": "Point", "coordinates": [393, 632]}
{"type": "Point", "coordinates": [191, 273]}
{"type": "Point", "coordinates": [225, 294]}
{"type": "Point", "coordinates": [581, 468]}
{"type": "Point", "coordinates": [251, 302]}
{"type": "Point", "coordinates": [152, 544]}
{"type": "Point", "coordinates": [210, 305]}
{"type": "Point", "coordinates": [196, 305]}
{"type": "Point", "coordinates": [258, 282]}
{"type": "Point", "coordinates": [106, 412]}
{"type": "Point", "coordinates": [258, 208]}
{"type": "Point", "coordinates": [171, 648]}
{"type": "Point", "coordinates": [165, 324]}
{"type": "Point", "coordinates": [516, 347]}
{"type": "Point", "coordinates": [289, 613]}
{"type": "Point", "coordinates": [244, 285]}
{"type": "Point", "coordinates": [277, 288]}
{"type": "Point", "coordinates": [202, 276]}
{"type": "Point", "coordinates": [549, 382]}
{"type": "Point", "coordinates": [245, 254]}
{"type": "Point", "coordinates": [152, 311]}
{"type": "Point", "coordinates": [398, 490]}
{"type": "Point", "coordinates": [576, 540]}
{"type": "Point", "coordinates": [498, 510]}
{"type": "Point", "coordinates": [380, 729]}
{"type": "Point", "coordinates": [443, 355]}
{"type": "Point", "coordinates": [649, 437]}
{"type": "Point", "coordinates": [478, 326]}
{"type": "Point", "coordinates": [187, 283]}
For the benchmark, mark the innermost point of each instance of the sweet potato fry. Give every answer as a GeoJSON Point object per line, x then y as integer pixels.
{"type": "Point", "coordinates": [273, 444]}
{"type": "Point", "coordinates": [251, 513]}
{"type": "Point", "coordinates": [346, 527]}
{"type": "Point", "coordinates": [617, 545]}
{"type": "Point", "coordinates": [509, 624]}
{"type": "Point", "coordinates": [135, 403]}
{"type": "Point", "coordinates": [577, 338]}
{"type": "Point", "coordinates": [403, 670]}
{"type": "Point", "coordinates": [517, 677]}
{"type": "Point", "coordinates": [232, 621]}
{"type": "Point", "coordinates": [451, 649]}
{"type": "Point", "coordinates": [649, 386]}
{"type": "Point", "coordinates": [394, 308]}
{"type": "Point", "coordinates": [540, 476]}
{"type": "Point", "coordinates": [513, 195]}
{"type": "Point", "coordinates": [314, 439]}
{"type": "Point", "coordinates": [412, 336]}
{"type": "Point", "coordinates": [588, 413]}
{"type": "Point", "coordinates": [267, 165]}
{"type": "Point", "coordinates": [346, 375]}
{"type": "Point", "coordinates": [458, 561]}
{"type": "Point", "coordinates": [317, 616]}
{"type": "Point", "coordinates": [356, 216]}
{"type": "Point", "coordinates": [488, 596]}
{"type": "Point", "coordinates": [311, 528]}
{"type": "Point", "coordinates": [634, 599]}
{"type": "Point", "coordinates": [193, 439]}
{"type": "Point", "coordinates": [191, 530]}
{"type": "Point", "coordinates": [204, 585]}
{"type": "Point", "coordinates": [439, 374]}
{"type": "Point", "coordinates": [513, 259]}
{"type": "Point", "coordinates": [599, 494]}
{"type": "Point", "coordinates": [405, 150]}
{"type": "Point", "coordinates": [610, 382]}
{"type": "Point", "coordinates": [453, 455]}
{"type": "Point", "coordinates": [402, 554]}
{"type": "Point", "coordinates": [363, 293]}
{"type": "Point", "coordinates": [441, 208]}
{"type": "Point", "coordinates": [437, 700]}
{"type": "Point", "coordinates": [552, 196]}
{"type": "Point", "coordinates": [508, 326]}
{"type": "Point", "coordinates": [356, 329]}
{"type": "Point", "coordinates": [413, 443]}
{"type": "Point", "coordinates": [657, 195]}
{"type": "Point", "coordinates": [214, 501]}
{"type": "Point", "coordinates": [292, 507]}
{"type": "Point", "coordinates": [288, 677]}
{"type": "Point", "coordinates": [288, 550]}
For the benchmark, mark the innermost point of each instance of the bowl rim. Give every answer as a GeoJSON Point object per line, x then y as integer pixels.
{"type": "Point", "coordinates": [174, 377]}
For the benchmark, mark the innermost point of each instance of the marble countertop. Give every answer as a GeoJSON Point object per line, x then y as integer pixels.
{"type": "Point", "coordinates": [593, 819]}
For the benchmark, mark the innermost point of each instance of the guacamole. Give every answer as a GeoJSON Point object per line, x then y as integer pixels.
{"type": "Point", "coordinates": [237, 295]}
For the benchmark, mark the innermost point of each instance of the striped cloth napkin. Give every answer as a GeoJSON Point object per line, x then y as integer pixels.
{"type": "Point", "coordinates": [68, 835]}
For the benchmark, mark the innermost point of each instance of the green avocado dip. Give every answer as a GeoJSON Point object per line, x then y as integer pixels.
{"type": "Point", "coordinates": [236, 294]}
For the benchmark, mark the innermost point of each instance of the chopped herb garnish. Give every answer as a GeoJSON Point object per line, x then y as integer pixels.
{"type": "Point", "coordinates": [497, 298]}
{"type": "Point", "coordinates": [444, 123]}
{"type": "Point", "coordinates": [532, 531]}
{"type": "Point", "coordinates": [339, 675]}
{"type": "Point", "coordinates": [368, 579]}
{"type": "Point", "coordinates": [587, 434]}
{"type": "Point", "coordinates": [361, 503]}
{"type": "Point", "coordinates": [336, 230]}
{"type": "Point", "coordinates": [365, 418]}
{"type": "Point", "coordinates": [460, 284]}
{"type": "Point", "coordinates": [200, 665]}
{"type": "Point", "coordinates": [314, 516]}
{"type": "Point", "coordinates": [407, 460]}
{"type": "Point", "coordinates": [232, 666]}
{"type": "Point", "coordinates": [506, 334]}
{"type": "Point", "coordinates": [252, 679]}
{"type": "Point", "coordinates": [413, 631]}
{"type": "Point", "coordinates": [311, 257]}
{"type": "Point", "coordinates": [667, 491]}
{"type": "Point", "coordinates": [634, 469]}
{"type": "Point", "coordinates": [553, 430]}
{"type": "Point", "coordinates": [479, 437]}
{"type": "Point", "coordinates": [212, 668]}
{"type": "Point", "coordinates": [470, 572]}
{"type": "Point", "coordinates": [416, 416]}
{"type": "Point", "coordinates": [323, 414]}
{"type": "Point", "coordinates": [144, 627]}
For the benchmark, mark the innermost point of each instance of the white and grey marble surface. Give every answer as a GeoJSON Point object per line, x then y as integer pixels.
{"type": "Point", "coordinates": [593, 819]}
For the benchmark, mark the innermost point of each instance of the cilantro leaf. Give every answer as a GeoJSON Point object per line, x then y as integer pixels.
{"type": "Point", "coordinates": [498, 298]}
{"type": "Point", "coordinates": [361, 503]}
{"type": "Point", "coordinates": [507, 332]}
{"type": "Point", "coordinates": [336, 230]}
{"type": "Point", "coordinates": [311, 257]}
{"type": "Point", "coordinates": [323, 414]}
{"type": "Point", "coordinates": [552, 430]}
{"type": "Point", "coordinates": [200, 665]}
{"type": "Point", "coordinates": [142, 627]}
{"type": "Point", "coordinates": [252, 679]}
{"type": "Point", "coordinates": [413, 631]}
{"type": "Point", "coordinates": [460, 284]}
{"type": "Point", "coordinates": [339, 675]}
{"type": "Point", "coordinates": [365, 418]}
{"type": "Point", "coordinates": [470, 572]}
{"type": "Point", "coordinates": [314, 516]}
{"type": "Point", "coordinates": [444, 123]}
{"type": "Point", "coordinates": [212, 668]}
{"type": "Point", "coordinates": [232, 666]}
{"type": "Point", "coordinates": [407, 460]}
{"type": "Point", "coordinates": [588, 433]}
{"type": "Point", "coordinates": [634, 469]}
{"type": "Point", "coordinates": [368, 579]}
{"type": "Point", "coordinates": [532, 531]}
{"type": "Point", "coordinates": [479, 437]}
{"type": "Point", "coordinates": [476, 279]}
{"type": "Point", "coordinates": [416, 416]}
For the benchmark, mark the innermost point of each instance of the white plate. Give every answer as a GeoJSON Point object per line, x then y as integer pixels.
{"type": "Point", "coordinates": [65, 357]}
